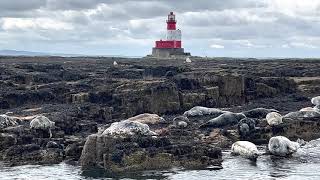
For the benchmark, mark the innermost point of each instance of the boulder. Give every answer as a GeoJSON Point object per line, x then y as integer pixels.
{"type": "Point", "coordinates": [136, 153]}
{"type": "Point", "coordinates": [7, 140]}
{"type": "Point", "coordinates": [263, 90]}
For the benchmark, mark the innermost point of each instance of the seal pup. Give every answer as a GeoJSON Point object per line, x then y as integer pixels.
{"type": "Point", "coordinates": [226, 119]}
{"type": "Point", "coordinates": [282, 146]}
{"type": "Point", "coordinates": [274, 118]}
{"type": "Point", "coordinates": [246, 126]}
{"type": "Point", "coordinates": [245, 149]}
{"type": "Point", "coordinates": [42, 123]}
{"type": "Point", "coordinates": [258, 112]}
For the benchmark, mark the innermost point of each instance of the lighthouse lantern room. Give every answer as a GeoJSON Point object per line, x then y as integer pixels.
{"type": "Point", "coordinates": [172, 45]}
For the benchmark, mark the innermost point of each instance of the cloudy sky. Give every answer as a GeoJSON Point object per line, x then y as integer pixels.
{"type": "Point", "coordinates": [234, 28]}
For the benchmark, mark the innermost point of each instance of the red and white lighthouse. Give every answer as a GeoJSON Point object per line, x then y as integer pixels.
{"type": "Point", "coordinates": [172, 45]}
{"type": "Point", "coordinates": [173, 35]}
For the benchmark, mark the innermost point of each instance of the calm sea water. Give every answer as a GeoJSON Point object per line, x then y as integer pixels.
{"type": "Point", "coordinates": [304, 165]}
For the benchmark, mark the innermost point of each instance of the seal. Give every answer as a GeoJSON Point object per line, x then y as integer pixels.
{"type": "Point", "coordinates": [308, 109]}
{"type": "Point", "coordinates": [302, 114]}
{"type": "Point", "coordinates": [201, 111]}
{"type": "Point", "coordinates": [246, 126]}
{"type": "Point", "coordinates": [316, 101]}
{"type": "Point", "coordinates": [128, 128]}
{"type": "Point", "coordinates": [226, 119]}
{"type": "Point", "coordinates": [180, 121]}
{"type": "Point", "coordinates": [7, 121]}
{"type": "Point", "coordinates": [274, 118]}
{"type": "Point", "coordinates": [245, 149]}
{"type": "Point", "coordinates": [282, 146]}
{"type": "Point", "coordinates": [258, 112]}
{"type": "Point", "coordinates": [42, 123]}
{"type": "Point", "coordinates": [147, 118]}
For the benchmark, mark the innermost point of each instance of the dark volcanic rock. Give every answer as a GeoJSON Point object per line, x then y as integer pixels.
{"type": "Point", "coordinates": [144, 153]}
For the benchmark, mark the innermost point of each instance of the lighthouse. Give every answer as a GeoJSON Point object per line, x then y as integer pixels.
{"type": "Point", "coordinates": [172, 45]}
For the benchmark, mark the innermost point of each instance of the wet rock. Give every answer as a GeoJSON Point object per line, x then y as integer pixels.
{"type": "Point", "coordinates": [144, 153]}
{"type": "Point", "coordinates": [52, 144]}
{"type": "Point", "coordinates": [73, 151]}
{"type": "Point", "coordinates": [7, 140]}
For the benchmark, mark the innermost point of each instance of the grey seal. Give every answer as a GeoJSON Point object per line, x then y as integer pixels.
{"type": "Point", "coordinates": [226, 119]}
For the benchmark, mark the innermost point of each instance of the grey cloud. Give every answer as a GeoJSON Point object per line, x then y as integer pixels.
{"type": "Point", "coordinates": [105, 22]}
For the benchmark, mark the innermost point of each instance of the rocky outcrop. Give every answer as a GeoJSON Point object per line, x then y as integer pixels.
{"type": "Point", "coordinates": [144, 153]}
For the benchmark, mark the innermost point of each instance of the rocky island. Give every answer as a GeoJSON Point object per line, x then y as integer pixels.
{"type": "Point", "coordinates": [146, 113]}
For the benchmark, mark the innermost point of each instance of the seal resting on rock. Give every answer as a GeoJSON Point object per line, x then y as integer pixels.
{"type": "Point", "coordinates": [201, 111]}
{"type": "Point", "coordinates": [309, 109]}
{"type": "Point", "coordinates": [274, 118]}
{"type": "Point", "coordinates": [302, 114]}
{"type": "Point", "coordinates": [7, 121]}
{"type": "Point", "coordinates": [226, 119]}
{"type": "Point", "coordinates": [245, 149]}
{"type": "Point", "coordinates": [181, 121]}
{"type": "Point", "coordinates": [282, 146]}
{"type": "Point", "coordinates": [147, 118]}
{"type": "Point", "coordinates": [246, 126]}
{"type": "Point", "coordinates": [258, 112]}
{"type": "Point", "coordinates": [316, 101]}
{"type": "Point", "coordinates": [42, 123]}
{"type": "Point", "coordinates": [128, 128]}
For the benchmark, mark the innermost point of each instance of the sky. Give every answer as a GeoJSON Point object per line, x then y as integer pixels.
{"type": "Point", "coordinates": [220, 28]}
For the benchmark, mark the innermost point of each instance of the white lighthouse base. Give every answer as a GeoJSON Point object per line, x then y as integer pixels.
{"type": "Point", "coordinates": [168, 52]}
